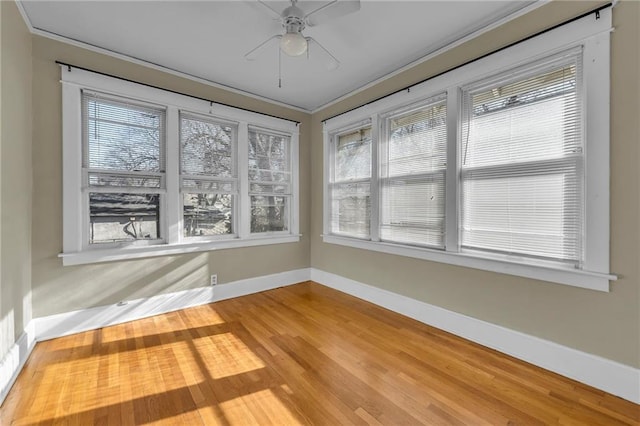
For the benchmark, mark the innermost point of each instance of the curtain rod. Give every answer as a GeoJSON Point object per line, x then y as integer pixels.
{"type": "Point", "coordinates": [596, 11]}
{"type": "Point", "coordinates": [173, 91]}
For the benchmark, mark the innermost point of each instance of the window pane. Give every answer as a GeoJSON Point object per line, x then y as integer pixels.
{"type": "Point", "coordinates": [530, 219]}
{"type": "Point", "coordinates": [413, 211]}
{"type": "Point", "coordinates": [533, 119]}
{"type": "Point", "coordinates": [353, 156]}
{"type": "Point", "coordinates": [269, 213]}
{"type": "Point", "coordinates": [418, 141]}
{"type": "Point", "coordinates": [122, 136]}
{"type": "Point", "coordinates": [351, 210]}
{"type": "Point", "coordinates": [206, 148]}
{"type": "Point", "coordinates": [521, 164]}
{"type": "Point", "coordinates": [269, 181]}
{"type": "Point", "coordinates": [413, 177]}
{"type": "Point", "coordinates": [123, 217]}
{"type": "Point", "coordinates": [268, 156]}
{"type": "Point", "coordinates": [207, 214]}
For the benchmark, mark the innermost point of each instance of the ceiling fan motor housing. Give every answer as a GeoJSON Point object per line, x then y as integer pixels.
{"type": "Point", "coordinates": [293, 19]}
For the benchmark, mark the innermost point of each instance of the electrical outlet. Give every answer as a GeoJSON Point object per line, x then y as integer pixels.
{"type": "Point", "coordinates": [214, 279]}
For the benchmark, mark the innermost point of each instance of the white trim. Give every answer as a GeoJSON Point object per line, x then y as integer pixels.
{"type": "Point", "coordinates": [173, 196]}
{"type": "Point", "coordinates": [610, 376]}
{"type": "Point", "coordinates": [67, 323]}
{"type": "Point", "coordinates": [244, 199]}
{"type": "Point", "coordinates": [597, 79]}
{"type": "Point", "coordinates": [14, 360]}
{"type": "Point", "coordinates": [510, 265]}
{"type": "Point", "coordinates": [71, 169]}
{"type": "Point", "coordinates": [137, 252]}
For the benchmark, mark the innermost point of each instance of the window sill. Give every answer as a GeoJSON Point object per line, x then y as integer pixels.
{"type": "Point", "coordinates": [139, 252]}
{"type": "Point", "coordinates": [531, 269]}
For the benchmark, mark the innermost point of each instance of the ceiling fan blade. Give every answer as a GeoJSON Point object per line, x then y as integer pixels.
{"type": "Point", "coordinates": [271, 11]}
{"type": "Point", "coordinates": [331, 10]}
{"type": "Point", "coordinates": [332, 62]}
{"type": "Point", "coordinates": [250, 55]}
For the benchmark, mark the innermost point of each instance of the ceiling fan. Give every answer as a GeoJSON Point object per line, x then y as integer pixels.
{"type": "Point", "coordinates": [294, 20]}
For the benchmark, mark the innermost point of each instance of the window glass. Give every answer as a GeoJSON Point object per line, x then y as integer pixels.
{"type": "Point", "coordinates": [412, 185]}
{"type": "Point", "coordinates": [269, 181]}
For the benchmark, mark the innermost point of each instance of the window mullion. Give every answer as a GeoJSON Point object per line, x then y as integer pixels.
{"type": "Point", "coordinates": [328, 179]}
{"type": "Point", "coordinates": [242, 213]}
{"type": "Point", "coordinates": [374, 220]}
{"type": "Point", "coordinates": [294, 184]}
{"type": "Point", "coordinates": [173, 203]}
{"type": "Point", "coordinates": [452, 174]}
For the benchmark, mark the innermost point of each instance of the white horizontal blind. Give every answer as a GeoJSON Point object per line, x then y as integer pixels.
{"type": "Point", "coordinates": [412, 182]}
{"type": "Point", "coordinates": [270, 181]}
{"type": "Point", "coordinates": [522, 162]}
{"type": "Point", "coordinates": [208, 176]}
{"type": "Point", "coordinates": [351, 184]}
{"type": "Point", "coordinates": [123, 168]}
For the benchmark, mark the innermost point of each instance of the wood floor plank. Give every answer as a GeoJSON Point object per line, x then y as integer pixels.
{"type": "Point", "coordinates": [303, 354]}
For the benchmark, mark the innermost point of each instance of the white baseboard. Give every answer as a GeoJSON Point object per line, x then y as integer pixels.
{"type": "Point", "coordinates": [93, 318]}
{"type": "Point", "coordinates": [618, 379]}
{"type": "Point", "coordinates": [14, 360]}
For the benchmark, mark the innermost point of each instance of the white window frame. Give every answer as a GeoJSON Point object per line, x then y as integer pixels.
{"type": "Point", "coordinates": [75, 210]}
{"type": "Point", "coordinates": [592, 32]}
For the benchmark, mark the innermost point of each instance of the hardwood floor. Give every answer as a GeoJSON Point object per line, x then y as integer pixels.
{"type": "Point", "coordinates": [303, 354]}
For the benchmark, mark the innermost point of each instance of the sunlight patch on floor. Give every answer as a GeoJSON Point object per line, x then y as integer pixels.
{"type": "Point", "coordinates": [267, 408]}
{"type": "Point", "coordinates": [226, 355]}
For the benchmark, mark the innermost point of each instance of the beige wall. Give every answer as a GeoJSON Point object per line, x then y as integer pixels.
{"type": "Point", "coordinates": [604, 324]}
{"type": "Point", "coordinates": [61, 289]}
{"type": "Point", "coordinates": [15, 176]}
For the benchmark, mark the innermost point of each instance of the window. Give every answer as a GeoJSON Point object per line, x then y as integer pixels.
{"type": "Point", "coordinates": [148, 172]}
{"type": "Point", "coordinates": [208, 176]}
{"type": "Point", "coordinates": [501, 164]}
{"type": "Point", "coordinates": [351, 183]}
{"type": "Point", "coordinates": [123, 169]}
{"type": "Point", "coordinates": [522, 163]}
{"type": "Point", "coordinates": [413, 165]}
{"type": "Point", "coordinates": [269, 181]}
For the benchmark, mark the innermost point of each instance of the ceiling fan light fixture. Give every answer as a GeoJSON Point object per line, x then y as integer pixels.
{"type": "Point", "coordinates": [293, 44]}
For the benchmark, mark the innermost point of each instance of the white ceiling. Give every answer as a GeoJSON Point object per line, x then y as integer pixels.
{"type": "Point", "coordinates": [208, 39]}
